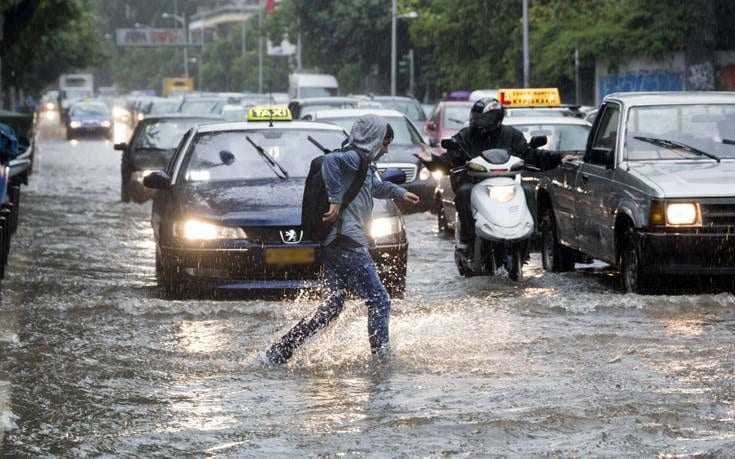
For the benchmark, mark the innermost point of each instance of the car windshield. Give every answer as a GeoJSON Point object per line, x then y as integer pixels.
{"type": "Point", "coordinates": [305, 92]}
{"type": "Point", "coordinates": [289, 147]}
{"type": "Point", "coordinates": [404, 133]}
{"type": "Point", "coordinates": [77, 93]}
{"type": "Point", "coordinates": [455, 117]}
{"type": "Point", "coordinates": [199, 107]}
{"type": "Point", "coordinates": [412, 110]}
{"type": "Point", "coordinates": [89, 110]}
{"type": "Point", "coordinates": [165, 107]}
{"type": "Point", "coordinates": [163, 134]}
{"type": "Point", "coordinates": [561, 137]}
{"type": "Point", "coordinates": [313, 108]}
{"type": "Point", "coordinates": [677, 131]}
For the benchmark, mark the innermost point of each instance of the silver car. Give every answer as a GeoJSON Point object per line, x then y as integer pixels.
{"type": "Point", "coordinates": [654, 192]}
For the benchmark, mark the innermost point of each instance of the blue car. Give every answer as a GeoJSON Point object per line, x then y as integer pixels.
{"type": "Point", "coordinates": [225, 217]}
{"type": "Point", "coordinates": [89, 118]}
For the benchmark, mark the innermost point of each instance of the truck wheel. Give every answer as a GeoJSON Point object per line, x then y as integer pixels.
{"type": "Point", "coordinates": [441, 218]}
{"type": "Point", "coordinates": [515, 271]}
{"type": "Point", "coordinates": [632, 278]}
{"type": "Point", "coordinates": [169, 279]}
{"type": "Point", "coordinates": [124, 192]}
{"type": "Point", "coordinates": [554, 256]}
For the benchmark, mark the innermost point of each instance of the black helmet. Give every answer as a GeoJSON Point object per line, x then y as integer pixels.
{"type": "Point", "coordinates": [487, 114]}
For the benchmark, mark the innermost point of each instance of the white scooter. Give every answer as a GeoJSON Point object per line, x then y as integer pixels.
{"type": "Point", "coordinates": [503, 222]}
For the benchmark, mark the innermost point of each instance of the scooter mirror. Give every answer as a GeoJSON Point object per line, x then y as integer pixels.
{"type": "Point", "coordinates": [449, 144]}
{"type": "Point", "coordinates": [496, 156]}
{"type": "Point", "coordinates": [538, 141]}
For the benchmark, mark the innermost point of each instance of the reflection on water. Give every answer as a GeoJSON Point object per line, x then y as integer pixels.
{"type": "Point", "coordinates": [98, 363]}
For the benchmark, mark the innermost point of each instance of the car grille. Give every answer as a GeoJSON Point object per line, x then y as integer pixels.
{"type": "Point", "coordinates": [269, 235]}
{"type": "Point", "coordinates": [718, 214]}
{"type": "Point", "coordinates": [410, 169]}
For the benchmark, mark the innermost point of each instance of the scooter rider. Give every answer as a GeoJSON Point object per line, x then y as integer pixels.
{"type": "Point", "coordinates": [486, 132]}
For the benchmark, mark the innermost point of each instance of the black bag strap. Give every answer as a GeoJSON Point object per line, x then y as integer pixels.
{"type": "Point", "coordinates": [355, 186]}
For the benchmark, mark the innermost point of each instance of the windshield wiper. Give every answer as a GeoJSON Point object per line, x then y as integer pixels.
{"type": "Point", "coordinates": [672, 144]}
{"type": "Point", "coordinates": [275, 167]}
{"type": "Point", "coordinates": [728, 141]}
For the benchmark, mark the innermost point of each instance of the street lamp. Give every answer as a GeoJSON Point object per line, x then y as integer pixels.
{"type": "Point", "coordinates": [181, 20]}
{"type": "Point", "coordinates": [393, 42]}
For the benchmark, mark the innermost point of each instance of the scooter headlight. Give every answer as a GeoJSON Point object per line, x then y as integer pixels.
{"type": "Point", "coordinates": [502, 193]}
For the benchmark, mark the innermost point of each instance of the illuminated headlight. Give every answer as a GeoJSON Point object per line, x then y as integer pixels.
{"type": "Point", "coordinates": [425, 174]}
{"type": "Point", "coordinates": [502, 193]}
{"type": "Point", "coordinates": [106, 124]}
{"type": "Point", "coordinates": [438, 175]}
{"type": "Point", "coordinates": [120, 113]}
{"type": "Point", "coordinates": [197, 230]}
{"type": "Point", "coordinates": [682, 213]}
{"type": "Point", "coordinates": [140, 116]}
{"type": "Point", "coordinates": [75, 124]}
{"type": "Point", "coordinates": [385, 226]}
{"type": "Point", "coordinates": [50, 106]}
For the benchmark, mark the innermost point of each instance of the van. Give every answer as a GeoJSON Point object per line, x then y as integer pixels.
{"type": "Point", "coordinates": [306, 85]}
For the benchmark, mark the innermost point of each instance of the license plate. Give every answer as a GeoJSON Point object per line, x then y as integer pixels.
{"type": "Point", "coordinates": [294, 256]}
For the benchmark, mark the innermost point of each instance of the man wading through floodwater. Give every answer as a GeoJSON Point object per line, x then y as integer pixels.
{"type": "Point", "coordinates": [347, 262]}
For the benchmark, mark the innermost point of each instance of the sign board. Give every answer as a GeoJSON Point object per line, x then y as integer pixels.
{"type": "Point", "coordinates": [151, 37]}
{"type": "Point", "coordinates": [285, 48]}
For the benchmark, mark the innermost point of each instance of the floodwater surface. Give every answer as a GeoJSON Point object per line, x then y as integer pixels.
{"type": "Point", "coordinates": [94, 360]}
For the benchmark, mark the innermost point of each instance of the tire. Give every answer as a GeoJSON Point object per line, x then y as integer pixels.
{"type": "Point", "coordinates": [441, 219]}
{"type": "Point", "coordinates": [516, 264]}
{"type": "Point", "coordinates": [124, 192]}
{"type": "Point", "coordinates": [632, 277]}
{"type": "Point", "coordinates": [554, 256]}
{"type": "Point", "coordinates": [169, 279]}
{"type": "Point", "coordinates": [69, 135]}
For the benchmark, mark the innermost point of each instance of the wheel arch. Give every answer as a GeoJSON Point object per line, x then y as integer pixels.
{"type": "Point", "coordinates": [624, 221]}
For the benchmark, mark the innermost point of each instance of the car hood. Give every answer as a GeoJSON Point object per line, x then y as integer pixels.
{"type": "Point", "coordinates": [144, 158]}
{"type": "Point", "coordinates": [259, 202]}
{"type": "Point", "coordinates": [684, 179]}
{"type": "Point", "coordinates": [403, 154]}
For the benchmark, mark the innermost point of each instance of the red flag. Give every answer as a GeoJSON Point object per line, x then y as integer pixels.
{"type": "Point", "coordinates": [270, 5]}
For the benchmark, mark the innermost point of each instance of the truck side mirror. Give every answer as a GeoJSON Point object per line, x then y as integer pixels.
{"type": "Point", "coordinates": [157, 180]}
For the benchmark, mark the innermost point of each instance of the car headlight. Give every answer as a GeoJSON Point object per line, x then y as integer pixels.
{"type": "Point", "coordinates": [119, 112]}
{"type": "Point", "coordinates": [75, 124]}
{"type": "Point", "coordinates": [682, 214]}
{"type": "Point", "coordinates": [141, 116]}
{"type": "Point", "coordinates": [385, 226]}
{"type": "Point", "coordinates": [438, 175]}
{"type": "Point", "coordinates": [106, 124]}
{"type": "Point", "coordinates": [502, 193]}
{"type": "Point", "coordinates": [50, 106]}
{"type": "Point", "coordinates": [197, 230]}
{"type": "Point", "coordinates": [425, 174]}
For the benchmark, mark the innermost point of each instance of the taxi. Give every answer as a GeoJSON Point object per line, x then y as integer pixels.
{"type": "Point", "coordinates": [546, 102]}
{"type": "Point", "coordinates": [227, 213]}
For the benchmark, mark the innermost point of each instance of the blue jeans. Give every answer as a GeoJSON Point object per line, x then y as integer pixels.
{"type": "Point", "coordinates": [346, 269]}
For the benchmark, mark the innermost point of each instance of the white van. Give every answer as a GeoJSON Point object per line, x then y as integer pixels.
{"type": "Point", "coordinates": [305, 85]}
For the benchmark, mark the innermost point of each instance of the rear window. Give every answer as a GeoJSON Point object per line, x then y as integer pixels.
{"type": "Point", "coordinates": [163, 134]}
{"type": "Point", "coordinates": [405, 134]}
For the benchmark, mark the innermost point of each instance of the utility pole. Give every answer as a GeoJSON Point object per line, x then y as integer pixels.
{"type": "Point", "coordinates": [243, 38]}
{"type": "Point", "coordinates": [260, 47]}
{"type": "Point", "coordinates": [526, 60]}
{"type": "Point", "coordinates": [577, 82]}
{"type": "Point", "coordinates": [411, 73]}
{"type": "Point", "coordinates": [393, 46]}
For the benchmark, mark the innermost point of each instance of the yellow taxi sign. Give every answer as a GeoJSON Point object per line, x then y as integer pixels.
{"type": "Point", "coordinates": [269, 113]}
{"type": "Point", "coordinates": [529, 97]}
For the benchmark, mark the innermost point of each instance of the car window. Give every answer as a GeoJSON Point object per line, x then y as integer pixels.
{"type": "Point", "coordinates": [404, 133]}
{"type": "Point", "coordinates": [455, 117]}
{"type": "Point", "coordinates": [560, 137]}
{"type": "Point", "coordinates": [163, 134]}
{"type": "Point", "coordinates": [313, 108]}
{"type": "Point", "coordinates": [174, 158]}
{"type": "Point", "coordinates": [199, 107]}
{"type": "Point", "coordinates": [289, 147]}
{"type": "Point", "coordinates": [411, 109]}
{"type": "Point", "coordinates": [89, 110]}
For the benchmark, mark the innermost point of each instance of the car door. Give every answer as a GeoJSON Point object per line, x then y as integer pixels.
{"type": "Point", "coordinates": [594, 186]}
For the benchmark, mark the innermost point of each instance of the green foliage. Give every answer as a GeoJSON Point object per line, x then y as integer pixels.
{"type": "Point", "coordinates": [45, 38]}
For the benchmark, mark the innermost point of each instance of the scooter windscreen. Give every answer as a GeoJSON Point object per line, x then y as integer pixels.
{"type": "Point", "coordinates": [496, 156]}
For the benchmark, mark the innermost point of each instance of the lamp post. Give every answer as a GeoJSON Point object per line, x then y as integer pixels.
{"type": "Point", "coordinates": [181, 20]}
{"type": "Point", "coordinates": [393, 42]}
{"type": "Point", "coordinates": [526, 59]}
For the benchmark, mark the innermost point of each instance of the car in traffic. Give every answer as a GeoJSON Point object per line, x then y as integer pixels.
{"type": "Point", "coordinates": [227, 214]}
{"type": "Point", "coordinates": [89, 118]}
{"type": "Point", "coordinates": [563, 134]}
{"type": "Point", "coordinates": [202, 106]}
{"type": "Point", "coordinates": [407, 143]}
{"type": "Point", "coordinates": [653, 193]}
{"type": "Point", "coordinates": [448, 118]}
{"type": "Point", "coordinates": [406, 105]}
{"type": "Point", "coordinates": [150, 148]}
{"type": "Point", "coordinates": [301, 107]}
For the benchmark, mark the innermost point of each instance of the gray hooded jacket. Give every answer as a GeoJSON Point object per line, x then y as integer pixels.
{"type": "Point", "coordinates": [339, 170]}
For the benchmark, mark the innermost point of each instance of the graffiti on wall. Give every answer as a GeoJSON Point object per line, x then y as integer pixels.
{"type": "Point", "coordinates": [701, 77]}
{"type": "Point", "coordinates": [656, 80]}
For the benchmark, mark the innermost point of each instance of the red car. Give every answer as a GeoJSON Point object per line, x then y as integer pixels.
{"type": "Point", "coordinates": [448, 118]}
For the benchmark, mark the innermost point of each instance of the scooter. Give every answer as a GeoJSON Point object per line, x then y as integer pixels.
{"type": "Point", "coordinates": [503, 222]}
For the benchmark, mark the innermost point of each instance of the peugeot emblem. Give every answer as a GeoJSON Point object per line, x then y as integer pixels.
{"type": "Point", "coordinates": [291, 236]}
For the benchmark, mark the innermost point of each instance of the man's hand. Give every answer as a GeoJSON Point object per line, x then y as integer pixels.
{"type": "Point", "coordinates": [331, 215]}
{"type": "Point", "coordinates": [412, 198]}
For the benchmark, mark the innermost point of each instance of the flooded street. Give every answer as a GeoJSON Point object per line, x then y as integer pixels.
{"type": "Point", "coordinates": [94, 361]}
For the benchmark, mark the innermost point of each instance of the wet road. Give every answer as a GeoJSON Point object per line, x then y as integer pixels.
{"type": "Point", "coordinates": [93, 361]}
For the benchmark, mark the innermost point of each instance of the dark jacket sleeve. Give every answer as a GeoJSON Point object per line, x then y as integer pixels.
{"type": "Point", "coordinates": [543, 159]}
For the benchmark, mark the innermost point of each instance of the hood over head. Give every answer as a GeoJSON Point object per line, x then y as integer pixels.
{"type": "Point", "coordinates": [368, 133]}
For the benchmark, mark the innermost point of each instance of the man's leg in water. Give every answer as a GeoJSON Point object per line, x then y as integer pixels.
{"type": "Point", "coordinates": [335, 285]}
{"type": "Point", "coordinates": [463, 204]}
{"type": "Point", "coordinates": [364, 280]}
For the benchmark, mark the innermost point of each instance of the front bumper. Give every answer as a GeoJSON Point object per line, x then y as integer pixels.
{"type": "Point", "coordinates": [688, 253]}
{"type": "Point", "coordinates": [90, 131]}
{"type": "Point", "coordinates": [245, 268]}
